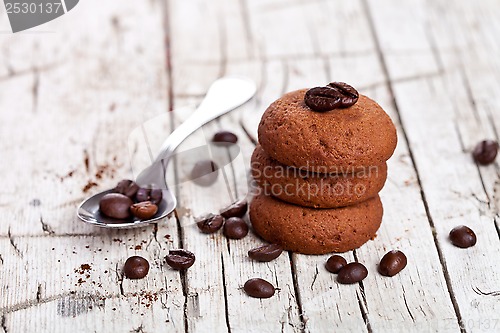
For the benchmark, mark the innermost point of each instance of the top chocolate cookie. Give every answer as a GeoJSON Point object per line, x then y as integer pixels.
{"type": "Point", "coordinates": [336, 141]}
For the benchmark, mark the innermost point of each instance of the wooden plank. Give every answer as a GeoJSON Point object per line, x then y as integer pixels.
{"type": "Point", "coordinates": [282, 311]}
{"type": "Point", "coordinates": [71, 107]}
{"type": "Point", "coordinates": [226, 261]}
{"type": "Point", "coordinates": [416, 299]}
{"type": "Point", "coordinates": [145, 312]}
{"type": "Point", "coordinates": [476, 116]}
{"type": "Point", "coordinates": [214, 286]}
{"type": "Point", "coordinates": [81, 126]}
{"type": "Point", "coordinates": [204, 281]}
{"type": "Point", "coordinates": [78, 273]}
{"type": "Point", "coordinates": [453, 189]}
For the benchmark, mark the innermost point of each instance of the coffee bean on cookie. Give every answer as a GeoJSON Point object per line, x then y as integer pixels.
{"type": "Point", "coordinates": [336, 95]}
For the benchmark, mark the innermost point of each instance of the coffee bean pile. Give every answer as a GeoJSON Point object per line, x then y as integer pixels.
{"type": "Point", "coordinates": [129, 199]}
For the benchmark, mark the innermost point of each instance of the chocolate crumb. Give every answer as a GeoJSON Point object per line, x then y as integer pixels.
{"type": "Point", "coordinates": [89, 185]}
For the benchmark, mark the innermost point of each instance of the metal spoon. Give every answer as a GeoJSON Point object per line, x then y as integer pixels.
{"type": "Point", "coordinates": [224, 95]}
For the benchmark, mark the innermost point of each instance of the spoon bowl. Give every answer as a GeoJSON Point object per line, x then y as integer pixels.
{"type": "Point", "coordinates": [224, 95]}
{"type": "Point", "coordinates": [88, 212]}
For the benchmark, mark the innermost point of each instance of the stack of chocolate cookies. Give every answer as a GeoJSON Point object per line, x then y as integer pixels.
{"type": "Point", "coordinates": [319, 165]}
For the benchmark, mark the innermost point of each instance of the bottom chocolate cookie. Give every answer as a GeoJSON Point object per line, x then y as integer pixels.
{"type": "Point", "coordinates": [315, 231]}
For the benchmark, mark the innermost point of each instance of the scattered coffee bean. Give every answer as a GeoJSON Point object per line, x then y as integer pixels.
{"type": "Point", "coordinates": [180, 259]}
{"type": "Point", "coordinates": [204, 173]}
{"type": "Point", "coordinates": [136, 267]}
{"type": "Point", "coordinates": [210, 224]}
{"type": "Point", "coordinates": [352, 273]}
{"type": "Point", "coordinates": [144, 210]}
{"type": "Point", "coordinates": [335, 263]}
{"type": "Point", "coordinates": [115, 205]}
{"type": "Point", "coordinates": [127, 187]}
{"type": "Point", "coordinates": [463, 237]}
{"type": "Point", "coordinates": [266, 252]}
{"type": "Point", "coordinates": [485, 152]}
{"type": "Point", "coordinates": [392, 263]}
{"type": "Point", "coordinates": [259, 288]}
{"type": "Point", "coordinates": [236, 209]}
{"type": "Point", "coordinates": [335, 95]}
{"type": "Point", "coordinates": [224, 137]}
{"type": "Point", "coordinates": [235, 228]}
{"type": "Point", "coordinates": [150, 193]}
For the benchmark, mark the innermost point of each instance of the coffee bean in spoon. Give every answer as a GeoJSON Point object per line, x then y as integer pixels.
{"type": "Point", "coordinates": [115, 205]}
{"type": "Point", "coordinates": [266, 253]}
{"type": "Point", "coordinates": [224, 137]}
{"type": "Point", "coordinates": [463, 237]}
{"type": "Point", "coordinates": [127, 187]}
{"type": "Point", "coordinates": [151, 193]}
{"type": "Point", "coordinates": [335, 263]}
{"type": "Point", "coordinates": [144, 210]}
{"type": "Point", "coordinates": [204, 173]}
{"type": "Point", "coordinates": [392, 263]}
{"type": "Point", "coordinates": [210, 223]}
{"type": "Point", "coordinates": [236, 209]}
{"type": "Point", "coordinates": [136, 267]}
{"type": "Point", "coordinates": [180, 259]}
{"type": "Point", "coordinates": [259, 288]}
{"type": "Point", "coordinates": [352, 273]}
{"type": "Point", "coordinates": [235, 228]}
{"type": "Point", "coordinates": [485, 152]}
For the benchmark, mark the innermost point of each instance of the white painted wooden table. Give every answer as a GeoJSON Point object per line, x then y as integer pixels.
{"type": "Point", "coordinates": [74, 93]}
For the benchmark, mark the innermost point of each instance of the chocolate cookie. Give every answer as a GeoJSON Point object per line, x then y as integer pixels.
{"type": "Point", "coordinates": [316, 190]}
{"type": "Point", "coordinates": [336, 141]}
{"type": "Point", "coordinates": [315, 231]}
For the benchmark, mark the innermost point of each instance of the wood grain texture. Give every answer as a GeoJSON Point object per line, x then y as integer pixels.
{"type": "Point", "coordinates": [443, 162]}
{"type": "Point", "coordinates": [70, 99]}
{"type": "Point", "coordinates": [83, 103]}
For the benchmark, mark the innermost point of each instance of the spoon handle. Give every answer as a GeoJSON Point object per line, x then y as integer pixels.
{"type": "Point", "coordinates": [224, 95]}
